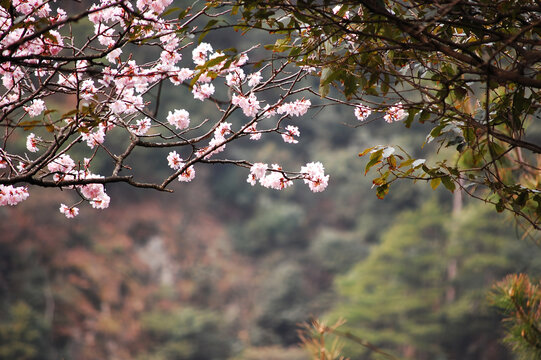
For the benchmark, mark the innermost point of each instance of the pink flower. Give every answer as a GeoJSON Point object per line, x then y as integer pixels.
{"type": "Point", "coordinates": [235, 77]}
{"type": "Point", "coordinates": [202, 92]}
{"type": "Point", "coordinates": [95, 138]}
{"type": "Point", "coordinates": [290, 132]}
{"type": "Point", "coordinates": [222, 130]}
{"type": "Point", "coordinates": [87, 89]}
{"type": "Point", "coordinates": [32, 142]}
{"type": "Point", "coordinates": [10, 195]}
{"type": "Point", "coordinates": [259, 170]}
{"type": "Point", "coordinates": [296, 108]}
{"type": "Point", "coordinates": [249, 105]}
{"type": "Point", "coordinates": [362, 112]}
{"type": "Point", "coordinates": [254, 79]}
{"type": "Point", "coordinates": [101, 201]}
{"type": "Point", "coordinates": [174, 160]}
{"type": "Point", "coordinates": [180, 119]}
{"type": "Point", "coordinates": [92, 191]}
{"type": "Point", "coordinates": [252, 130]}
{"type": "Point", "coordinates": [62, 164]}
{"type": "Point", "coordinates": [275, 179]}
{"type": "Point", "coordinates": [114, 55]}
{"type": "Point", "coordinates": [187, 175]}
{"type": "Point", "coordinates": [178, 76]}
{"type": "Point", "coordinates": [314, 176]}
{"type": "Point", "coordinates": [69, 212]}
{"type": "Point", "coordinates": [142, 126]}
{"type": "Point", "coordinates": [395, 113]}
{"type": "Point", "coordinates": [35, 108]}
{"type": "Point", "coordinates": [199, 54]}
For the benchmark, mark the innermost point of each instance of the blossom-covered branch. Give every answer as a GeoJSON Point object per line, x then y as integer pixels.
{"type": "Point", "coordinates": [106, 92]}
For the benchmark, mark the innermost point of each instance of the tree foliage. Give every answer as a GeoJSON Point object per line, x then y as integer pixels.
{"type": "Point", "coordinates": [470, 68]}
{"type": "Point", "coordinates": [422, 293]}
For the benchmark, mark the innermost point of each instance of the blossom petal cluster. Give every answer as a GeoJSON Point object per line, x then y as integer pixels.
{"type": "Point", "coordinates": [112, 90]}
{"type": "Point", "coordinates": [395, 113]}
{"type": "Point", "coordinates": [180, 119]}
{"type": "Point", "coordinates": [362, 112]}
{"type": "Point", "coordinates": [291, 131]}
{"type": "Point", "coordinates": [10, 195]}
{"type": "Point", "coordinates": [314, 176]}
{"type": "Point", "coordinates": [274, 177]}
{"type": "Point", "coordinates": [175, 162]}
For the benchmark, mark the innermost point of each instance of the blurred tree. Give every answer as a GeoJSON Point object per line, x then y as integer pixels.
{"type": "Point", "coordinates": [422, 292]}
{"type": "Point", "coordinates": [187, 333]}
{"type": "Point", "coordinates": [23, 333]}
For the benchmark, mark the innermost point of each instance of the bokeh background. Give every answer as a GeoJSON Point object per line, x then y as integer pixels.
{"type": "Point", "coordinates": [221, 270]}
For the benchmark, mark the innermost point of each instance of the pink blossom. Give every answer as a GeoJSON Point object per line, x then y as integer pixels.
{"type": "Point", "coordinates": [187, 175]}
{"type": "Point", "coordinates": [275, 179]}
{"type": "Point", "coordinates": [314, 176]}
{"type": "Point", "coordinates": [91, 191]}
{"type": "Point", "coordinates": [21, 166]}
{"type": "Point", "coordinates": [202, 92]}
{"type": "Point", "coordinates": [259, 170]}
{"type": "Point", "coordinates": [243, 59]}
{"type": "Point", "coordinates": [170, 57]}
{"type": "Point", "coordinates": [249, 105]}
{"type": "Point", "coordinates": [174, 160]}
{"type": "Point", "coordinates": [69, 212]}
{"type": "Point", "coordinates": [142, 126]}
{"type": "Point", "coordinates": [158, 6]}
{"type": "Point", "coordinates": [218, 143]}
{"type": "Point", "coordinates": [62, 164]}
{"type": "Point", "coordinates": [180, 119]}
{"type": "Point", "coordinates": [101, 201]}
{"type": "Point", "coordinates": [296, 108]}
{"type": "Point", "coordinates": [10, 195]}
{"type": "Point", "coordinates": [199, 54]}
{"type": "Point", "coordinates": [222, 130]}
{"type": "Point", "coordinates": [87, 89]}
{"type": "Point", "coordinates": [32, 142]}
{"type": "Point", "coordinates": [94, 138]}
{"type": "Point", "coordinates": [35, 108]}
{"type": "Point", "coordinates": [235, 77]}
{"type": "Point", "coordinates": [362, 112]}
{"type": "Point", "coordinates": [178, 76]}
{"type": "Point", "coordinates": [254, 79]}
{"type": "Point", "coordinates": [290, 132]}
{"type": "Point", "coordinates": [252, 130]}
{"type": "Point", "coordinates": [114, 55]}
{"type": "Point", "coordinates": [395, 113]}
{"type": "Point", "coordinates": [53, 42]}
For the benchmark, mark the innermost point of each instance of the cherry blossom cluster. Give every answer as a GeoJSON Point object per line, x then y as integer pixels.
{"type": "Point", "coordinates": [274, 177]}
{"type": "Point", "coordinates": [111, 92]}
{"type": "Point", "coordinates": [10, 195]}
{"type": "Point", "coordinates": [393, 114]}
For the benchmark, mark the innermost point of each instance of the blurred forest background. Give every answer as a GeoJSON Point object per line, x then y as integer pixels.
{"type": "Point", "coordinates": [221, 270]}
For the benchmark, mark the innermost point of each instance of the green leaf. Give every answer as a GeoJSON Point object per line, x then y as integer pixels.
{"type": "Point", "coordinates": [382, 190]}
{"type": "Point", "coordinates": [366, 151]}
{"type": "Point", "coordinates": [406, 163]}
{"type": "Point", "coordinates": [411, 116]}
{"type": "Point", "coordinates": [448, 183]}
{"type": "Point", "coordinates": [500, 206]}
{"type": "Point", "coordinates": [374, 159]}
{"type": "Point", "coordinates": [435, 182]}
